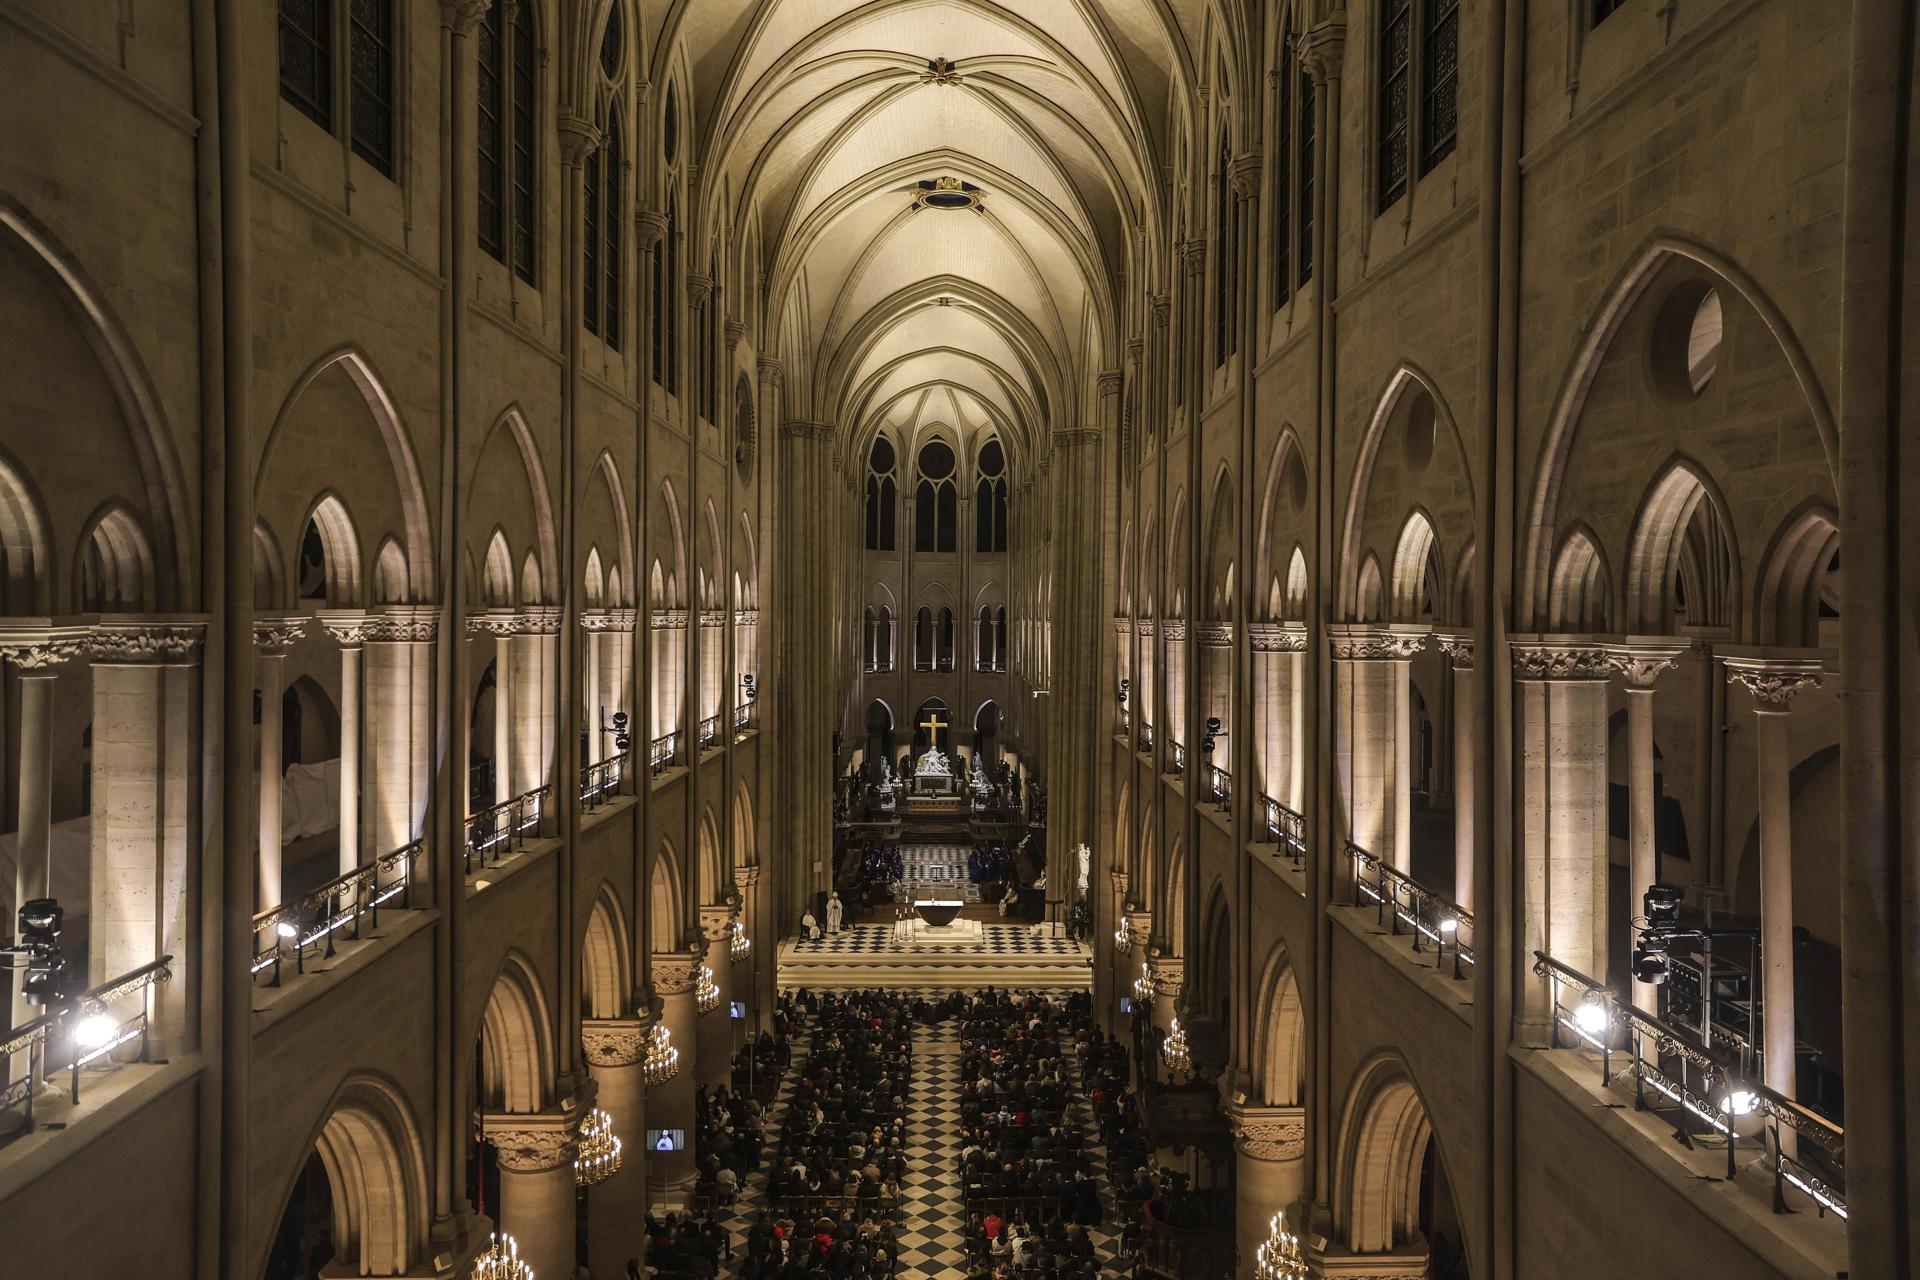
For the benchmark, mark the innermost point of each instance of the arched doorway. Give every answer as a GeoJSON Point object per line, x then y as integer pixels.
{"type": "Point", "coordinates": [879, 727]}
{"type": "Point", "coordinates": [358, 1204]}
{"type": "Point", "coordinates": [1393, 1194]}
{"type": "Point", "coordinates": [986, 734]}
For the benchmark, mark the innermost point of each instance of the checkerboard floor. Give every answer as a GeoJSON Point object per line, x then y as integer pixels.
{"type": "Point", "coordinates": [997, 939]}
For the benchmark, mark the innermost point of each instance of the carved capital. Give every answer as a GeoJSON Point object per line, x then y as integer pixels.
{"type": "Point", "coordinates": [1276, 637]}
{"type": "Point", "coordinates": [1369, 642]}
{"type": "Point", "coordinates": [1174, 630]}
{"type": "Point", "coordinates": [1458, 646]}
{"type": "Point", "coordinates": [649, 228]}
{"type": "Point", "coordinates": [534, 1143]}
{"type": "Point", "coordinates": [1269, 1133]}
{"type": "Point", "coordinates": [1322, 49]}
{"type": "Point", "coordinates": [716, 923]}
{"type": "Point", "coordinates": [745, 878]}
{"type": "Point", "coordinates": [1072, 437]}
{"type": "Point", "coordinates": [1641, 659]}
{"type": "Point", "coordinates": [462, 16]}
{"type": "Point", "coordinates": [404, 624]}
{"type": "Point", "coordinates": [273, 635]}
{"type": "Point", "coordinates": [1561, 658]}
{"type": "Point", "coordinates": [1136, 349]}
{"type": "Point", "coordinates": [540, 620]}
{"type": "Point", "coordinates": [40, 645]}
{"type": "Point", "coordinates": [1243, 174]}
{"type": "Point", "coordinates": [674, 973]}
{"type": "Point", "coordinates": [806, 429]}
{"type": "Point", "coordinates": [736, 330]}
{"type": "Point", "coordinates": [771, 370]}
{"type": "Point", "coordinates": [1194, 255]}
{"type": "Point", "coordinates": [578, 138]}
{"type": "Point", "coordinates": [713, 617]}
{"type": "Point", "coordinates": [1773, 681]}
{"type": "Point", "coordinates": [349, 628]}
{"type": "Point", "coordinates": [1214, 635]}
{"type": "Point", "coordinates": [139, 643]}
{"type": "Point", "coordinates": [699, 288]}
{"type": "Point", "coordinates": [613, 1042]}
{"type": "Point", "coordinates": [1147, 628]}
{"type": "Point", "coordinates": [1168, 974]}
{"type": "Point", "coordinates": [1123, 626]}
{"type": "Point", "coordinates": [1162, 305]}
{"type": "Point", "coordinates": [1110, 382]}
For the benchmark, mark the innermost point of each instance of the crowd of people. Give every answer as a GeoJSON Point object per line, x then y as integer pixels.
{"type": "Point", "coordinates": [834, 1183]}
{"type": "Point", "coordinates": [1026, 1167]}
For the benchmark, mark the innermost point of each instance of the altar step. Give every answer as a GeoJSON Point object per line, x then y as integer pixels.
{"type": "Point", "coordinates": [1019, 956]}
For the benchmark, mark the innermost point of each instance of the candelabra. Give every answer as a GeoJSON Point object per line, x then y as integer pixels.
{"type": "Point", "coordinates": [1143, 987]}
{"type": "Point", "coordinates": [1279, 1257]}
{"type": "Point", "coordinates": [1174, 1053]}
{"type": "Point", "coordinates": [501, 1260]}
{"type": "Point", "coordinates": [662, 1061]}
{"type": "Point", "coordinates": [599, 1155]}
{"type": "Point", "coordinates": [739, 945]}
{"type": "Point", "coordinates": [1123, 936]}
{"type": "Point", "coordinates": [706, 992]}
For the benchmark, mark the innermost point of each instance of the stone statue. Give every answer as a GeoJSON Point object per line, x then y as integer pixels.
{"type": "Point", "coordinates": [1086, 867]}
{"type": "Point", "coordinates": [834, 913]}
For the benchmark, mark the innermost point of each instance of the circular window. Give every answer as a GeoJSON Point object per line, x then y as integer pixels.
{"type": "Point", "coordinates": [1417, 429]}
{"type": "Point", "coordinates": [992, 461]}
{"type": "Point", "coordinates": [1703, 342]}
{"type": "Point", "coordinates": [936, 461]}
{"type": "Point", "coordinates": [881, 460]}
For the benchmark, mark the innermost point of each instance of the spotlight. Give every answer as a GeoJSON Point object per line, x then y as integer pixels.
{"type": "Point", "coordinates": [287, 929]}
{"type": "Point", "coordinates": [37, 940]}
{"type": "Point", "coordinates": [95, 1031]}
{"type": "Point", "coordinates": [1650, 963]}
{"type": "Point", "coordinates": [1590, 1016]}
{"type": "Point", "coordinates": [1662, 905]}
{"type": "Point", "coordinates": [1449, 926]}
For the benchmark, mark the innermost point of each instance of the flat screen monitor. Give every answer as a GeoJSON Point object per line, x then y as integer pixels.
{"type": "Point", "coordinates": [1126, 1004]}
{"type": "Point", "coordinates": [737, 1009]}
{"type": "Point", "coordinates": [666, 1139]}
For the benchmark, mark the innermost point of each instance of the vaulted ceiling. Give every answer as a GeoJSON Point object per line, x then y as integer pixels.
{"type": "Point", "coordinates": [821, 125]}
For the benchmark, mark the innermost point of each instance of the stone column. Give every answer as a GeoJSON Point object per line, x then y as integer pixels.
{"type": "Point", "coordinates": [1269, 1168]}
{"type": "Point", "coordinates": [349, 630]}
{"type": "Point", "coordinates": [614, 1048]}
{"type": "Point", "coordinates": [1459, 651]}
{"type": "Point", "coordinates": [35, 656]}
{"type": "Point", "coordinates": [670, 1174]}
{"type": "Point", "coordinates": [1563, 798]}
{"type": "Point", "coordinates": [715, 1056]}
{"type": "Point", "coordinates": [536, 1154]}
{"type": "Point", "coordinates": [399, 699]}
{"type": "Point", "coordinates": [144, 751]}
{"type": "Point", "coordinates": [1372, 666]}
{"type": "Point", "coordinates": [533, 647]}
{"type": "Point", "coordinates": [1071, 732]}
{"type": "Point", "coordinates": [1640, 660]}
{"type": "Point", "coordinates": [807, 707]}
{"type": "Point", "coordinates": [749, 973]}
{"type": "Point", "coordinates": [1773, 682]}
{"type": "Point", "coordinates": [272, 637]}
{"type": "Point", "coordinates": [1169, 975]}
{"type": "Point", "coordinates": [502, 624]}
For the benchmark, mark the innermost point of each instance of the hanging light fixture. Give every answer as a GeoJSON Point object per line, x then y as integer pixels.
{"type": "Point", "coordinates": [1143, 986]}
{"type": "Point", "coordinates": [706, 992]}
{"type": "Point", "coordinates": [739, 945]}
{"type": "Point", "coordinates": [599, 1155]}
{"type": "Point", "coordinates": [1174, 1052]}
{"type": "Point", "coordinates": [501, 1260]}
{"type": "Point", "coordinates": [662, 1060]}
{"type": "Point", "coordinates": [1279, 1256]}
{"type": "Point", "coordinates": [1123, 936]}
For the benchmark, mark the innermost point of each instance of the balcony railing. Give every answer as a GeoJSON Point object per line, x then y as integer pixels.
{"type": "Point", "coordinates": [1179, 750]}
{"type": "Point", "coordinates": [601, 782]}
{"type": "Point", "coordinates": [1219, 784]}
{"type": "Point", "coordinates": [1705, 1085]}
{"type": "Point", "coordinates": [742, 718]}
{"type": "Point", "coordinates": [710, 733]}
{"type": "Point", "coordinates": [1285, 828]}
{"type": "Point", "coordinates": [311, 920]}
{"type": "Point", "coordinates": [81, 1031]}
{"type": "Point", "coordinates": [1146, 735]}
{"type": "Point", "coordinates": [662, 752]}
{"type": "Point", "coordinates": [1402, 900]}
{"type": "Point", "coordinates": [493, 833]}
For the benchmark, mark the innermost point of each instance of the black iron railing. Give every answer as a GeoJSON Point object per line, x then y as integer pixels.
{"type": "Point", "coordinates": [1808, 1152]}
{"type": "Point", "coordinates": [493, 833]}
{"type": "Point", "coordinates": [662, 752]}
{"type": "Point", "coordinates": [1285, 828]}
{"type": "Point", "coordinates": [81, 1031]}
{"type": "Point", "coordinates": [601, 782]}
{"type": "Point", "coordinates": [310, 921]}
{"type": "Point", "coordinates": [710, 733]}
{"type": "Point", "coordinates": [1403, 901]}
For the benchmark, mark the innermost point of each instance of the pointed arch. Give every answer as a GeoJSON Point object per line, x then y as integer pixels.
{"type": "Point", "coordinates": [113, 567]}
{"type": "Point", "coordinates": [605, 972]}
{"type": "Point", "coordinates": [1367, 592]}
{"type": "Point", "coordinates": [593, 581]}
{"type": "Point", "coordinates": [714, 884]}
{"type": "Point", "coordinates": [1581, 599]}
{"type": "Point", "coordinates": [746, 851]}
{"type": "Point", "coordinates": [498, 593]}
{"type": "Point", "coordinates": [1798, 578]}
{"type": "Point", "coordinates": [269, 576]}
{"type": "Point", "coordinates": [666, 901]}
{"type": "Point", "coordinates": [513, 422]}
{"type": "Point", "coordinates": [516, 1041]}
{"type": "Point", "coordinates": [1415, 594]}
{"type": "Point", "coordinates": [1384, 1130]}
{"type": "Point", "coordinates": [620, 575]}
{"type": "Point", "coordinates": [1682, 553]}
{"type": "Point", "coordinates": [376, 1165]}
{"type": "Point", "coordinates": [1279, 1047]}
{"type": "Point", "coordinates": [25, 556]}
{"type": "Point", "coordinates": [340, 577]}
{"type": "Point", "coordinates": [390, 574]}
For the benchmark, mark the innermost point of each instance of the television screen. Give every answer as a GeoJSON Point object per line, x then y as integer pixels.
{"type": "Point", "coordinates": [1126, 1004]}
{"type": "Point", "coordinates": [738, 1009]}
{"type": "Point", "coordinates": [666, 1139]}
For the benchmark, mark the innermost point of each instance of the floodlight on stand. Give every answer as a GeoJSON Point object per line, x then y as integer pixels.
{"type": "Point", "coordinates": [287, 929]}
{"type": "Point", "coordinates": [1740, 1105]}
{"type": "Point", "coordinates": [1448, 926]}
{"type": "Point", "coordinates": [95, 1031]}
{"type": "Point", "coordinates": [1590, 1016]}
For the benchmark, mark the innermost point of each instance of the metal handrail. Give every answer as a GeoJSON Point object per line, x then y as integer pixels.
{"type": "Point", "coordinates": [37, 1036]}
{"type": "Point", "coordinates": [1219, 783]}
{"type": "Point", "coordinates": [710, 732]}
{"type": "Point", "coordinates": [602, 779]}
{"type": "Point", "coordinates": [742, 716]}
{"type": "Point", "coordinates": [1400, 899]}
{"type": "Point", "coordinates": [662, 752]}
{"type": "Point", "coordinates": [493, 833]}
{"type": "Point", "coordinates": [313, 917]}
{"type": "Point", "coordinates": [1286, 828]}
{"type": "Point", "coordinates": [1179, 756]}
{"type": "Point", "coordinates": [1146, 735]}
{"type": "Point", "coordinates": [1651, 1040]}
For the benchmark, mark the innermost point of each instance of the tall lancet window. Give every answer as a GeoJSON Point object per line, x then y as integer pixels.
{"type": "Point", "coordinates": [990, 501]}
{"type": "Point", "coordinates": [882, 497]}
{"type": "Point", "coordinates": [604, 277]}
{"type": "Point", "coordinates": [507, 109]}
{"type": "Point", "coordinates": [935, 502]}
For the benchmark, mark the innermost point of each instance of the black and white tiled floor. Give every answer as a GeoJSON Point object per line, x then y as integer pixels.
{"type": "Point", "coordinates": [997, 939]}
